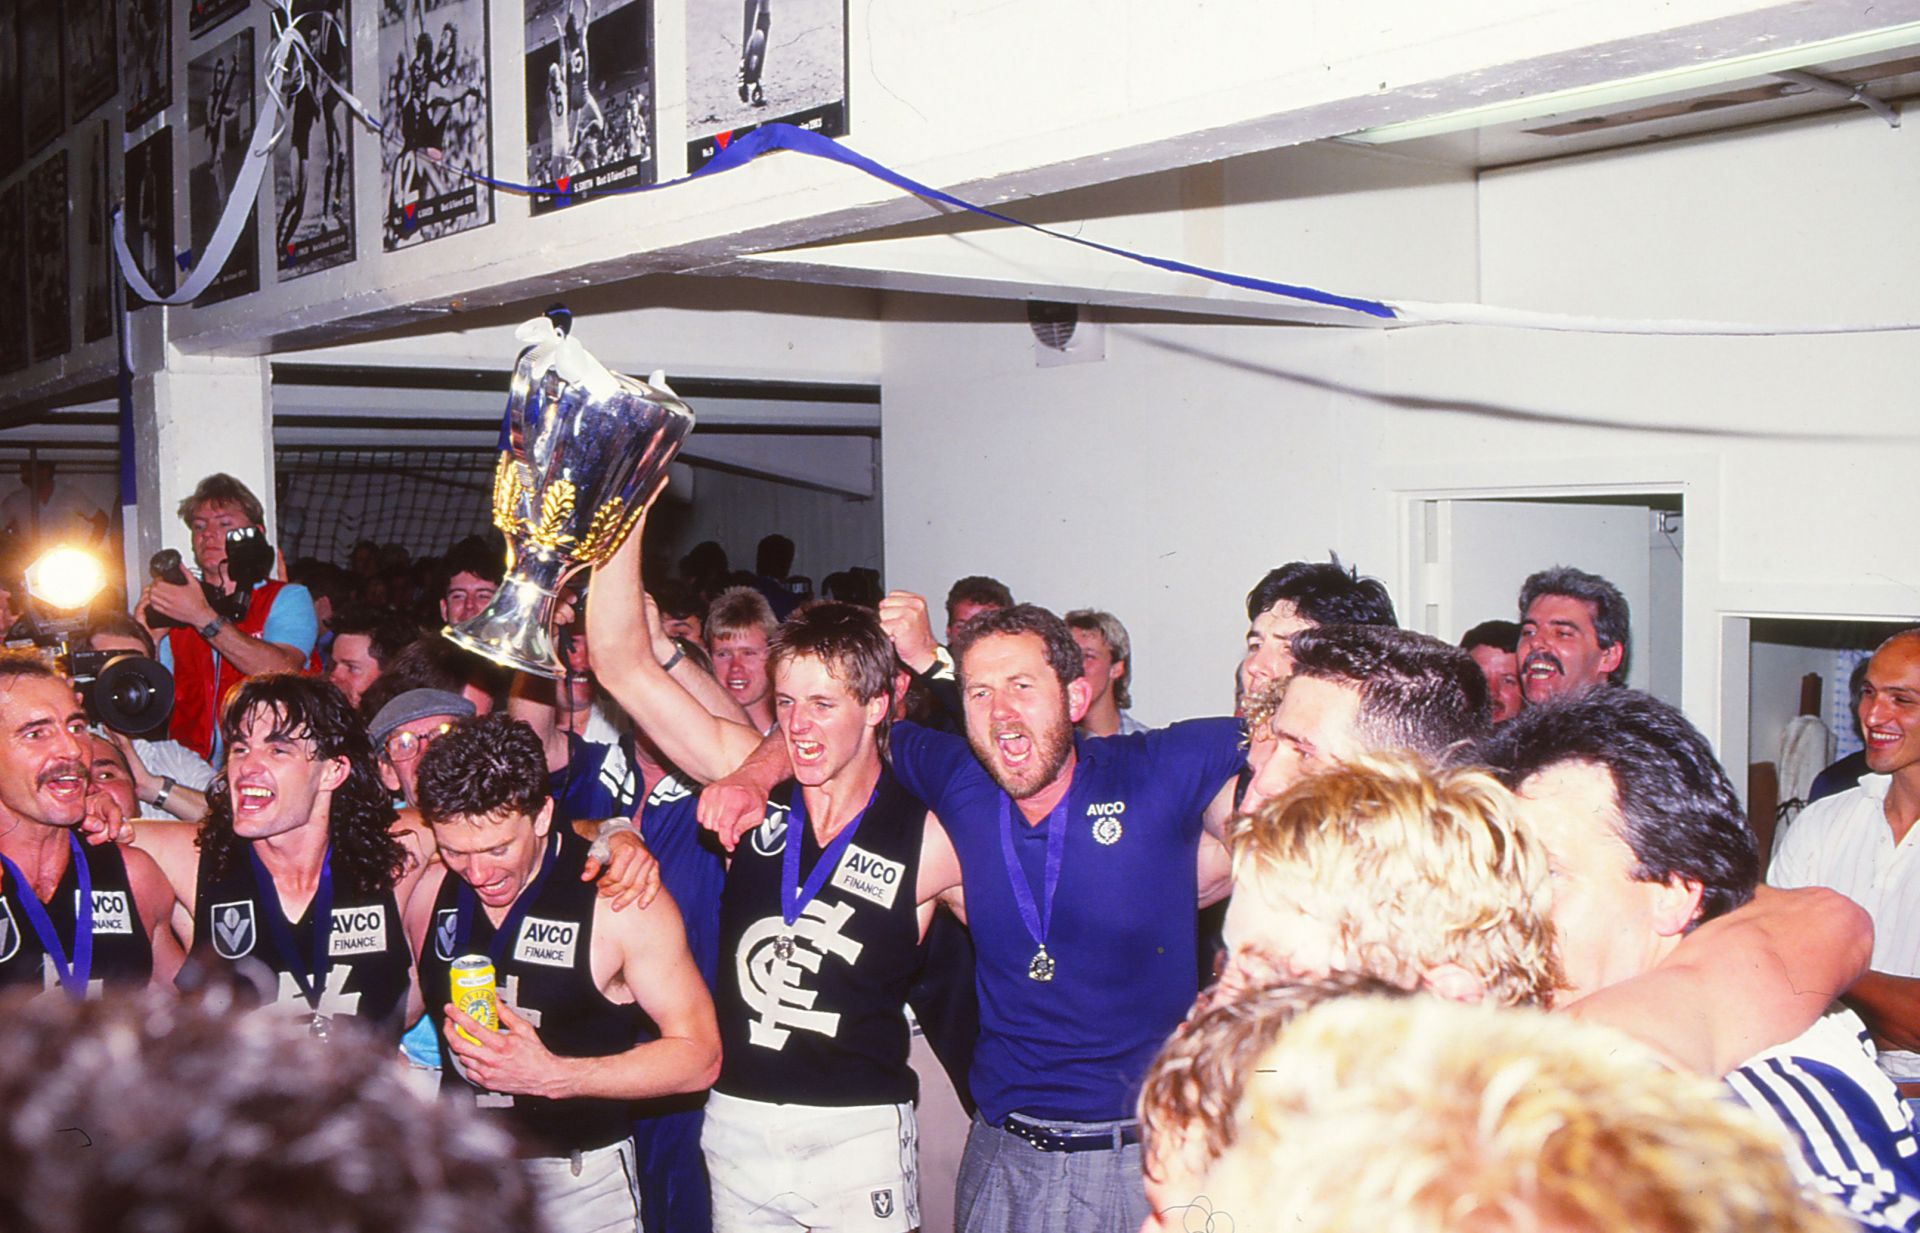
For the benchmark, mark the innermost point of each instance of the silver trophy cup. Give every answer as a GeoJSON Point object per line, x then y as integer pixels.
{"type": "Point", "coordinates": [585, 448]}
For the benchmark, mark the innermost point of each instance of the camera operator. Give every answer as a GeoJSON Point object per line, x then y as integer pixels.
{"type": "Point", "coordinates": [209, 651]}
{"type": "Point", "coordinates": [166, 774]}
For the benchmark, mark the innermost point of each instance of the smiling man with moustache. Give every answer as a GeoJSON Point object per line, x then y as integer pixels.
{"type": "Point", "coordinates": [1573, 633]}
{"type": "Point", "coordinates": [71, 914]}
{"type": "Point", "coordinates": [294, 875]}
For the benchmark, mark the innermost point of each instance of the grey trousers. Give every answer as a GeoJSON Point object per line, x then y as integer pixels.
{"type": "Point", "coordinates": [1009, 1186]}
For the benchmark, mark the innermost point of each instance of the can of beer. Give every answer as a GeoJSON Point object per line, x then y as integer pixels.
{"type": "Point", "coordinates": [472, 980]}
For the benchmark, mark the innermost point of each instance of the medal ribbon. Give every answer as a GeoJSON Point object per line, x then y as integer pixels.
{"type": "Point", "coordinates": [465, 901]}
{"type": "Point", "coordinates": [310, 972]}
{"type": "Point", "coordinates": [73, 974]}
{"type": "Point", "coordinates": [1037, 918]}
{"type": "Point", "coordinates": [794, 897]}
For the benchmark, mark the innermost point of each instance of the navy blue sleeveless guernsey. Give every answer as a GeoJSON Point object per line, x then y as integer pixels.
{"type": "Point", "coordinates": [122, 951]}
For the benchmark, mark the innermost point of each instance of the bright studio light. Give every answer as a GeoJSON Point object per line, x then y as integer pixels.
{"type": "Point", "coordinates": [65, 578]}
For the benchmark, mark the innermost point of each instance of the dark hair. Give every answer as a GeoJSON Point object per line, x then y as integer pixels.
{"type": "Point", "coordinates": [387, 632]}
{"type": "Point", "coordinates": [1500, 635]}
{"type": "Point", "coordinates": [774, 557]}
{"type": "Point", "coordinates": [1063, 653]}
{"type": "Point", "coordinates": [481, 766]}
{"type": "Point", "coordinates": [118, 625]}
{"type": "Point", "coordinates": [433, 662]}
{"type": "Point", "coordinates": [678, 599]}
{"type": "Point", "coordinates": [323, 580]}
{"type": "Point", "coordinates": [475, 556]}
{"type": "Point", "coordinates": [1679, 812]}
{"type": "Point", "coordinates": [1417, 694]}
{"type": "Point", "coordinates": [222, 489]}
{"type": "Point", "coordinates": [188, 1115]}
{"type": "Point", "coordinates": [21, 661]}
{"type": "Point", "coordinates": [1610, 618]}
{"type": "Point", "coordinates": [978, 589]}
{"type": "Point", "coordinates": [1325, 593]}
{"type": "Point", "coordinates": [367, 858]}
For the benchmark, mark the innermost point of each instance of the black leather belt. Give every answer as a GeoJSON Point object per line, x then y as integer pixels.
{"type": "Point", "coordinates": [1121, 1134]}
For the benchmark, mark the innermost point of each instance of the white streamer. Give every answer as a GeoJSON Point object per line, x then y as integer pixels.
{"type": "Point", "coordinates": [1421, 312]}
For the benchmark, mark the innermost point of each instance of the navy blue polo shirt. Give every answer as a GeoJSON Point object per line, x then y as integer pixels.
{"type": "Point", "coordinates": [1123, 931]}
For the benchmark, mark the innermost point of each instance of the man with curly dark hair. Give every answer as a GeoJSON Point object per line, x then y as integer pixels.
{"type": "Point", "coordinates": [293, 881]}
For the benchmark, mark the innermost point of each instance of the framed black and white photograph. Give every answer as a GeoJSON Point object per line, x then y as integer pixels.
{"type": "Point", "coordinates": [146, 70]}
{"type": "Point", "coordinates": [42, 83]}
{"type": "Point", "coordinates": [754, 62]}
{"type": "Point", "coordinates": [589, 98]}
{"type": "Point", "coordinates": [220, 119]}
{"type": "Point", "coordinates": [10, 150]}
{"type": "Point", "coordinates": [149, 213]}
{"type": "Point", "coordinates": [313, 165]}
{"type": "Point", "coordinates": [93, 198]}
{"type": "Point", "coordinates": [49, 307]}
{"type": "Point", "coordinates": [436, 93]}
{"type": "Point", "coordinates": [13, 273]}
{"type": "Point", "coordinates": [204, 15]}
{"type": "Point", "coordinates": [93, 70]}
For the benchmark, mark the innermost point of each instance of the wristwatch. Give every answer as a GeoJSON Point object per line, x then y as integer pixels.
{"type": "Point", "coordinates": [212, 628]}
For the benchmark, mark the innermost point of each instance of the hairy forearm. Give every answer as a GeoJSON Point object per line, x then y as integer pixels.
{"type": "Point", "coordinates": [253, 656]}
{"type": "Point", "coordinates": [662, 1067]}
{"type": "Point", "coordinates": [1891, 1007]}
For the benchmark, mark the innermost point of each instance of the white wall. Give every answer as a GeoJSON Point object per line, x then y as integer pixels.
{"type": "Point", "coordinates": [1161, 482]}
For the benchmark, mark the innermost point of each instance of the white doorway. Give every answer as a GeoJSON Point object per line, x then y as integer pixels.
{"type": "Point", "coordinates": [1471, 556]}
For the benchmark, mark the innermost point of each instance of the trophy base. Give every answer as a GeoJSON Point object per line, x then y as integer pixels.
{"type": "Point", "coordinates": [529, 651]}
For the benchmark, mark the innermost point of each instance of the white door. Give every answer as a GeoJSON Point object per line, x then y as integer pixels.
{"type": "Point", "coordinates": [1477, 554]}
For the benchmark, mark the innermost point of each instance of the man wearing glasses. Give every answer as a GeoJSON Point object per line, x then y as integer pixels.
{"type": "Point", "coordinates": [400, 732]}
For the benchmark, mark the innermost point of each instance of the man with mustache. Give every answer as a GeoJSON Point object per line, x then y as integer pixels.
{"type": "Point", "coordinates": [1079, 860]}
{"type": "Point", "coordinates": [1573, 633]}
{"type": "Point", "coordinates": [72, 914]}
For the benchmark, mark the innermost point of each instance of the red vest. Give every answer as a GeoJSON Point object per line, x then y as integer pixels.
{"type": "Point", "coordinates": [201, 678]}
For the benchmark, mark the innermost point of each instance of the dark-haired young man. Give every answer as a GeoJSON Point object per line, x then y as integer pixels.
{"type": "Point", "coordinates": [971, 596]}
{"type": "Point", "coordinates": [1573, 633]}
{"type": "Point", "coordinates": [472, 571]}
{"type": "Point", "coordinates": [365, 641]}
{"type": "Point", "coordinates": [206, 652]}
{"type": "Point", "coordinates": [1369, 689]}
{"type": "Point", "coordinates": [811, 1123]}
{"type": "Point", "coordinates": [575, 977]}
{"type": "Point", "coordinates": [1300, 595]}
{"type": "Point", "coordinates": [295, 881]}
{"type": "Point", "coordinates": [1493, 645]}
{"type": "Point", "coordinates": [1647, 841]}
{"type": "Point", "coordinates": [72, 914]}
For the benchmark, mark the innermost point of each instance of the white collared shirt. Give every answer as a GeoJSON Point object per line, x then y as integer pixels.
{"type": "Point", "coordinates": [1843, 842]}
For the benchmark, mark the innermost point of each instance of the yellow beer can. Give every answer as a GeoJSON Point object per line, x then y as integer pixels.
{"type": "Point", "coordinates": [473, 991]}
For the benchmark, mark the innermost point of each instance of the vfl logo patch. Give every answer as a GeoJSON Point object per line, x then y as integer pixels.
{"type": "Point", "coordinates": [770, 837]}
{"type": "Point", "coordinates": [359, 931]}
{"type": "Point", "coordinates": [9, 932]}
{"type": "Point", "coordinates": [669, 790]}
{"type": "Point", "coordinates": [233, 931]}
{"type": "Point", "coordinates": [445, 927]}
{"type": "Point", "coordinates": [550, 943]}
{"type": "Point", "coordinates": [882, 1204]}
{"type": "Point", "coordinates": [873, 878]}
{"type": "Point", "coordinates": [112, 911]}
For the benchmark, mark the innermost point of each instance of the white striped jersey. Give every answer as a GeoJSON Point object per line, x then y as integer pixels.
{"type": "Point", "coordinates": [1857, 1143]}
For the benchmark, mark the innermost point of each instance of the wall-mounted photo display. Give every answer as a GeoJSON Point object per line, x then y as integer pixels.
{"type": "Point", "coordinates": [149, 213]}
{"type": "Point", "coordinates": [754, 62]}
{"type": "Point", "coordinates": [10, 149]}
{"type": "Point", "coordinates": [93, 68]}
{"type": "Point", "coordinates": [146, 70]}
{"type": "Point", "coordinates": [220, 120]}
{"type": "Point", "coordinates": [13, 273]}
{"type": "Point", "coordinates": [42, 88]}
{"type": "Point", "coordinates": [49, 307]}
{"type": "Point", "coordinates": [436, 96]}
{"type": "Point", "coordinates": [313, 165]}
{"type": "Point", "coordinates": [204, 15]}
{"type": "Point", "coordinates": [93, 198]}
{"type": "Point", "coordinates": [589, 98]}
